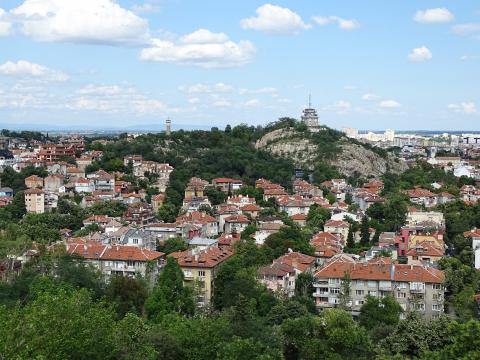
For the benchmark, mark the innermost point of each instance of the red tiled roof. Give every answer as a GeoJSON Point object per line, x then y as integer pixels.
{"type": "Point", "coordinates": [276, 269]}
{"type": "Point", "coordinates": [237, 219]}
{"type": "Point", "coordinates": [297, 260]}
{"type": "Point", "coordinates": [337, 223]}
{"type": "Point", "coordinates": [33, 191]}
{"type": "Point", "coordinates": [299, 217]}
{"type": "Point", "coordinates": [381, 271]}
{"type": "Point", "coordinates": [208, 258]}
{"type": "Point", "coordinates": [472, 233]}
{"type": "Point", "coordinates": [251, 207]}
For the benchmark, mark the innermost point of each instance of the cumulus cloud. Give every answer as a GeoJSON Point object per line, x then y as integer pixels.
{"type": "Point", "coordinates": [26, 69]}
{"type": "Point", "coordinates": [420, 54]}
{"type": "Point", "coordinates": [115, 99]}
{"type": "Point", "coordinates": [5, 25]}
{"type": "Point", "coordinates": [370, 97]}
{"type": "Point", "coordinates": [251, 103]}
{"type": "Point", "coordinates": [389, 104]}
{"type": "Point", "coordinates": [200, 48]}
{"type": "Point", "coordinates": [276, 20]}
{"type": "Point", "coordinates": [340, 107]}
{"type": "Point", "coordinates": [344, 24]}
{"type": "Point", "coordinates": [145, 8]}
{"type": "Point", "coordinates": [464, 107]}
{"type": "Point", "coordinates": [86, 21]}
{"type": "Point", "coordinates": [434, 16]}
{"type": "Point", "coordinates": [467, 29]}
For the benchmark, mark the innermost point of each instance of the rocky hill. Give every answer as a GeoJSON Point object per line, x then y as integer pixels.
{"type": "Point", "coordinates": [347, 156]}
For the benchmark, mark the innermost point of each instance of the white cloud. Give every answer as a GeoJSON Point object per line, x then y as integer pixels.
{"type": "Point", "coordinates": [194, 100]}
{"type": "Point", "coordinates": [469, 57]}
{"type": "Point", "coordinates": [434, 16]}
{"type": "Point", "coordinates": [467, 29]}
{"type": "Point", "coordinates": [221, 103]}
{"type": "Point", "coordinates": [464, 107]}
{"type": "Point", "coordinates": [205, 88]}
{"type": "Point", "coordinates": [264, 90]}
{"type": "Point", "coordinates": [86, 21]}
{"type": "Point", "coordinates": [389, 104]}
{"type": "Point", "coordinates": [344, 24]}
{"type": "Point", "coordinates": [276, 20]}
{"type": "Point", "coordinates": [221, 87]}
{"type": "Point", "coordinates": [200, 48]}
{"type": "Point", "coordinates": [370, 97]}
{"type": "Point", "coordinates": [251, 103]}
{"type": "Point", "coordinates": [25, 69]}
{"type": "Point", "coordinates": [420, 54]}
{"type": "Point", "coordinates": [340, 107]}
{"type": "Point", "coordinates": [115, 99]}
{"type": "Point", "coordinates": [5, 25]}
{"type": "Point", "coordinates": [145, 8]}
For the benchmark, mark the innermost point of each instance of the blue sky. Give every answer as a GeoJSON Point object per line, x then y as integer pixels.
{"type": "Point", "coordinates": [368, 64]}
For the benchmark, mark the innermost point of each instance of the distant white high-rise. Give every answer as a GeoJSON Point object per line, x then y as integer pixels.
{"type": "Point", "coordinates": [310, 117]}
{"type": "Point", "coordinates": [168, 127]}
{"type": "Point", "coordinates": [350, 132]}
{"type": "Point", "coordinates": [389, 135]}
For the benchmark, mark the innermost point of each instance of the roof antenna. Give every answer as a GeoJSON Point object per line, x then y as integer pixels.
{"type": "Point", "coordinates": [309, 101]}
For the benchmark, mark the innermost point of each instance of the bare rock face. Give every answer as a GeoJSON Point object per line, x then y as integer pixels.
{"type": "Point", "coordinates": [350, 158]}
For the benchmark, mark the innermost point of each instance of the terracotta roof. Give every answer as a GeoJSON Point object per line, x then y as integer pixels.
{"type": "Point", "coordinates": [33, 178]}
{"type": "Point", "coordinates": [196, 216]}
{"type": "Point", "coordinates": [299, 217]}
{"type": "Point", "coordinates": [33, 191]}
{"type": "Point", "coordinates": [276, 269]}
{"type": "Point", "coordinates": [158, 197]}
{"type": "Point", "coordinates": [426, 248]}
{"type": "Point", "coordinates": [472, 233]}
{"type": "Point", "coordinates": [299, 261]}
{"type": "Point", "coordinates": [96, 251]}
{"type": "Point", "coordinates": [381, 271]}
{"type": "Point", "coordinates": [415, 193]}
{"type": "Point", "coordinates": [208, 258]}
{"type": "Point", "coordinates": [221, 180]}
{"type": "Point", "coordinates": [237, 219]}
{"type": "Point", "coordinates": [337, 223]}
{"type": "Point", "coordinates": [251, 207]}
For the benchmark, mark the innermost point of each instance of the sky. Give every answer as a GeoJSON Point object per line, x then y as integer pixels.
{"type": "Point", "coordinates": [130, 64]}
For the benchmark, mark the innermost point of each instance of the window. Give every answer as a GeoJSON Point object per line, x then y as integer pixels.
{"type": "Point", "coordinates": [401, 295]}
{"type": "Point", "coordinates": [385, 284]}
{"type": "Point", "coordinates": [372, 283]}
{"type": "Point", "coordinates": [436, 307]}
{"type": "Point", "coordinates": [437, 297]}
{"type": "Point", "coordinates": [201, 273]}
{"type": "Point", "coordinates": [402, 285]}
{"type": "Point", "coordinates": [333, 281]}
{"type": "Point", "coordinates": [335, 291]}
{"type": "Point", "coordinates": [372, 293]}
{"type": "Point", "coordinates": [360, 283]}
{"type": "Point", "coordinates": [359, 302]}
{"type": "Point", "coordinates": [418, 286]}
{"type": "Point", "coordinates": [135, 241]}
{"type": "Point", "coordinates": [359, 292]}
{"type": "Point", "coordinates": [419, 306]}
{"type": "Point", "coordinates": [437, 286]}
{"type": "Point", "coordinates": [187, 273]}
{"type": "Point", "coordinates": [130, 263]}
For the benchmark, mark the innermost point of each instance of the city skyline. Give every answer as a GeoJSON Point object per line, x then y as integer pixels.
{"type": "Point", "coordinates": [133, 64]}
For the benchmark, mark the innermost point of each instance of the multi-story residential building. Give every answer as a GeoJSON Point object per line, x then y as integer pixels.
{"type": "Point", "coordinates": [208, 224]}
{"type": "Point", "coordinates": [227, 185]}
{"type": "Point", "coordinates": [278, 277]}
{"type": "Point", "coordinates": [33, 182]}
{"type": "Point", "coordinates": [102, 181]}
{"type": "Point", "coordinates": [474, 234]}
{"type": "Point", "coordinates": [415, 287]}
{"type": "Point", "coordinates": [236, 224]}
{"type": "Point", "coordinates": [200, 269]}
{"type": "Point", "coordinates": [53, 182]}
{"type": "Point", "coordinates": [337, 227]}
{"type": "Point", "coordinates": [56, 152]}
{"type": "Point", "coordinates": [422, 197]}
{"type": "Point", "coordinates": [35, 201]}
{"type": "Point", "coordinates": [118, 259]}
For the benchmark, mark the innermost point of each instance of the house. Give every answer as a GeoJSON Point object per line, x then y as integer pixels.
{"type": "Point", "coordinates": [157, 201]}
{"type": "Point", "coordinates": [228, 241]}
{"type": "Point", "coordinates": [305, 189]}
{"type": "Point", "coordinates": [241, 200]}
{"type": "Point", "coordinates": [139, 213]}
{"type": "Point", "coordinates": [53, 182]}
{"type": "Point", "coordinates": [326, 246]}
{"type": "Point", "coordinates": [278, 277]}
{"type": "Point", "coordinates": [83, 162]}
{"type": "Point", "coordinates": [6, 192]}
{"type": "Point", "coordinates": [100, 220]}
{"type": "Point", "coordinates": [227, 185]}
{"type": "Point", "coordinates": [422, 197]}
{"type": "Point", "coordinates": [365, 199]}
{"type": "Point", "coordinates": [34, 200]}
{"type": "Point", "coordinates": [251, 210]}
{"type": "Point", "coordinates": [131, 198]}
{"type": "Point", "coordinates": [73, 171]}
{"type": "Point", "coordinates": [444, 197]}
{"type": "Point", "coordinates": [425, 251]}
{"type": "Point", "coordinates": [102, 181]}
{"type": "Point", "coordinates": [164, 231]}
{"type": "Point", "coordinates": [474, 235]}
{"type": "Point", "coordinates": [337, 227]}
{"type": "Point", "coordinates": [273, 193]}
{"type": "Point", "coordinates": [195, 188]}
{"type": "Point", "coordinates": [293, 205]}
{"type": "Point", "coordinates": [265, 229]}
{"type": "Point", "coordinates": [236, 224]}
{"type": "Point", "coordinates": [300, 262]}
{"type": "Point", "coordinates": [200, 269]}
{"type": "Point", "coordinates": [133, 160]}
{"type": "Point", "coordinates": [141, 238]}
{"type": "Point", "coordinates": [208, 224]}
{"type": "Point", "coordinates": [415, 287]}
{"type": "Point", "coordinates": [299, 219]}
{"type": "Point", "coordinates": [33, 182]}
{"type": "Point", "coordinates": [118, 259]}
{"type": "Point", "coordinates": [200, 243]}
{"type": "Point", "coordinates": [83, 185]}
